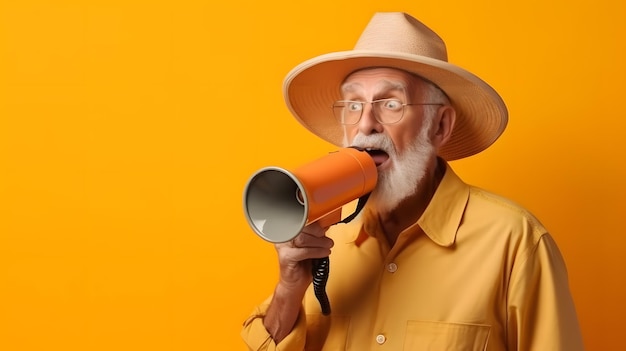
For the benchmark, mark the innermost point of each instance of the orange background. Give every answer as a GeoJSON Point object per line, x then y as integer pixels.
{"type": "Point", "coordinates": [129, 128]}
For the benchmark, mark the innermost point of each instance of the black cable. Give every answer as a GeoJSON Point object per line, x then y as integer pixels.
{"type": "Point", "coordinates": [320, 271]}
{"type": "Point", "coordinates": [321, 266]}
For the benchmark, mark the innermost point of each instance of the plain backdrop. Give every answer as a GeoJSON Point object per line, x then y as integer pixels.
{"type": "Point", "coordinates": [128, 130]}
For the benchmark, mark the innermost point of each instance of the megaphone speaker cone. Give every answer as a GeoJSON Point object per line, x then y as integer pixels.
{"type": "Point", "coordinates": [275, 204]}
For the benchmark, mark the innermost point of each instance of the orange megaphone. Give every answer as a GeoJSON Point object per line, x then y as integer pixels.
{"type": "Point", "coordinates": [278, 203]}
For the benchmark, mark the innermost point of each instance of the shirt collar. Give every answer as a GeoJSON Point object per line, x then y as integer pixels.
{"type": "Point", "coordinates": [442, 217]}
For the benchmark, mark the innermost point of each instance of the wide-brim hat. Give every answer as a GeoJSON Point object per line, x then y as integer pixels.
{"type": "Point", "coordinates": [397, 40]}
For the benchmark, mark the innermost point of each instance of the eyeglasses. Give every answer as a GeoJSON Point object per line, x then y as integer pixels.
{"type": "Point", "coordinates": [386, 111]}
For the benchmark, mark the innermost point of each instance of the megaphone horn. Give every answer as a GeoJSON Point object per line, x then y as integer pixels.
{"type": "Point", "coordinates": [278, 203]}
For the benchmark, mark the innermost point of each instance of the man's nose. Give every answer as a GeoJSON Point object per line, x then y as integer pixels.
{"type": "Point", "coordinates": [368, 124]}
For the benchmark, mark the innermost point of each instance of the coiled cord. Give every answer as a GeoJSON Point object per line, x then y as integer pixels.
{"type": "Point", "coordinates": [320, 269]}
{"type": "Point", "coordinates": [321, 266]}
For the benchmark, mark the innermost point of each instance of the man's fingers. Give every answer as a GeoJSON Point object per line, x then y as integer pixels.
{"type": "Point", "coordinates": [306, 240]}
{"type": "Point", "coordinates": [314, 229]}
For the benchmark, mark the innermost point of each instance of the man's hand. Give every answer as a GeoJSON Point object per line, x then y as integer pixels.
{"type": "Point", "coordinates": [294, 258]}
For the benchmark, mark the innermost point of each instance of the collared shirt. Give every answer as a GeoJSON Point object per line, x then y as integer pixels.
{"type": "Point", "coordinates": [475, 272]}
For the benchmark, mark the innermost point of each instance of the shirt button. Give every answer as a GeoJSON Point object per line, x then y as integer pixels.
{"type": "Point", "coordinates": [380, 339]}
{"type": "Point", "coordinates": [392, 267]}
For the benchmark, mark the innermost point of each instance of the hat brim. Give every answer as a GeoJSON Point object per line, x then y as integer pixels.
{"type": "Point", "coordinates": [311, 88]}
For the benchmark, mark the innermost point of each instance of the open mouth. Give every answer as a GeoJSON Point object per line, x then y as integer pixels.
{"type": "Point", "coordinates": [379, 156]}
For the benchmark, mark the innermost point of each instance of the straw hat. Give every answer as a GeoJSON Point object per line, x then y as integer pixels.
{"type": "Point", "coordinates": [397, 40]}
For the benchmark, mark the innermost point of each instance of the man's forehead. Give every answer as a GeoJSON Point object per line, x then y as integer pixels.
{"type": "Point", "coordinates": [383, 84]}
{"type": "Point", "coordinates": [383, 78]}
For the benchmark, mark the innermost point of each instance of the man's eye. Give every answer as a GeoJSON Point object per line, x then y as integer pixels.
{"type": "Point", "coordinates": [354, 106]}
{"type": "Point", "coordinates": [392, 104]}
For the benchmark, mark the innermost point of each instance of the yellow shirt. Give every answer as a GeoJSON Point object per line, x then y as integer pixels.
{"type": "Point", "coordinates": [476, 272]}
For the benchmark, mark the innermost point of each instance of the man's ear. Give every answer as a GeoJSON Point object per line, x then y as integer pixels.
{"type": "Point", "coordinates": [446, 116]}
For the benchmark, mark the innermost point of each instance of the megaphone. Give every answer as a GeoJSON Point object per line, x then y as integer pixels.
{"type": "Point", "coordinates": [279, 203]}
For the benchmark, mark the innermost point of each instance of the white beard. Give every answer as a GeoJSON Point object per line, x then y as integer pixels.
{"type": "Point", "coordinates": [407, 170]}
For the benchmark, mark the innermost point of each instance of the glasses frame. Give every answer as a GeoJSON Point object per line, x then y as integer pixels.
{"type": "Point", "coordinates": [363, 103]}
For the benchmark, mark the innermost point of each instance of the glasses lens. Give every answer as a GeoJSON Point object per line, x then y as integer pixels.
{"type": "Point", "coordinates": [348, 112]}
{"type": "Point", "coordinates": [386, 111]}
{"type": "Point", "coordinates": [389, 111]}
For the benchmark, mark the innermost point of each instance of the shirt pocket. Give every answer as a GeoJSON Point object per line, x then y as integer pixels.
{"type": "Point", "coordinates": [441, 336]}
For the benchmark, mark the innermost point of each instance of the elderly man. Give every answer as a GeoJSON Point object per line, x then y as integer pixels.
{"type": "Point", "coordinates": [431, 263]}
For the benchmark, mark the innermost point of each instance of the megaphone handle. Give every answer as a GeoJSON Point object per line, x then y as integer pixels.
{"type": "Point", "coordinates": [321, 266]}
{"type": "Point", "coordinates": [320, 269]}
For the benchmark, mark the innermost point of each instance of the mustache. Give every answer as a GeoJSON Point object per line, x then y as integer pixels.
{"type": "Point", "coordinates": [374, 141]}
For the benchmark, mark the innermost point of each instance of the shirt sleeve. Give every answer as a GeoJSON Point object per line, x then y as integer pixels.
{"type": "Point", "coordinates": [541, 312]}
{"type": "Point", "coordinates": [257, 337]}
